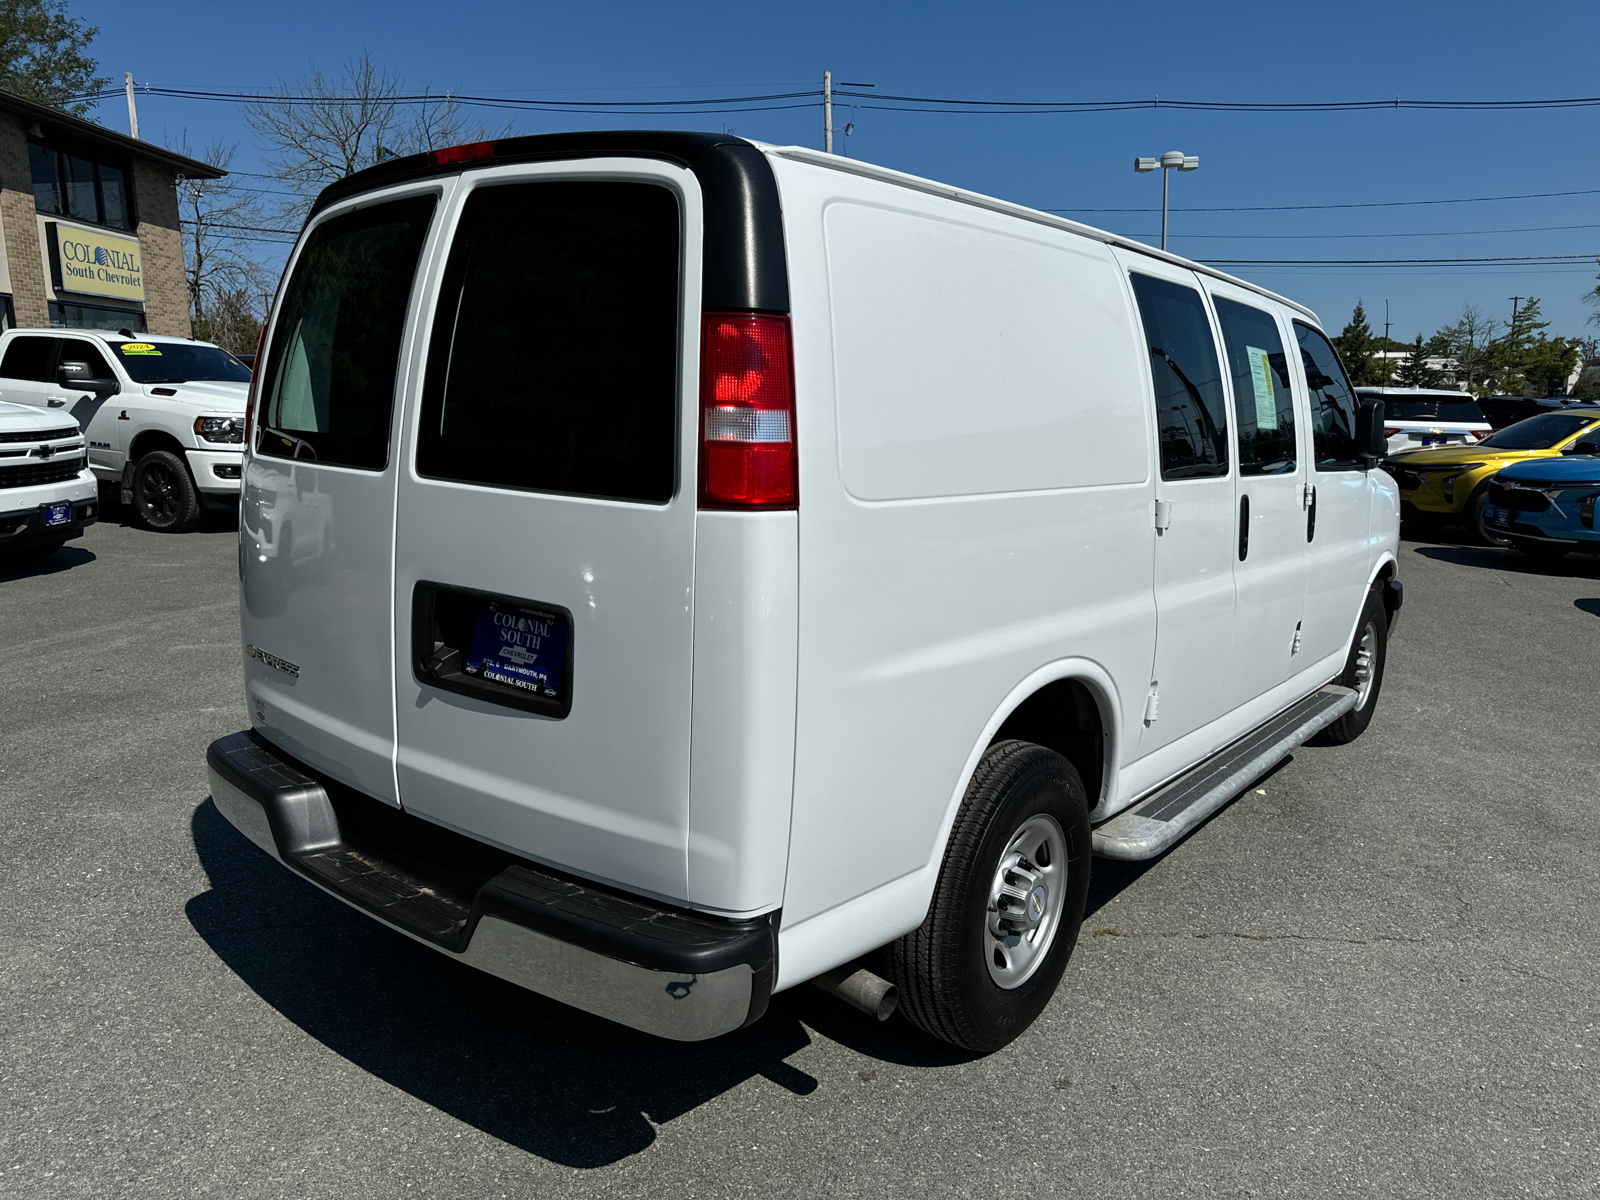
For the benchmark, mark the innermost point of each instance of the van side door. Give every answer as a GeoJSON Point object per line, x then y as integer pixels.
{"type": "Point", "coordinates": [1338, 551]}
{"type": "Point", "coordinates": [1269, 567]}
{"type": "Point", "coordinates": [1194, 517]}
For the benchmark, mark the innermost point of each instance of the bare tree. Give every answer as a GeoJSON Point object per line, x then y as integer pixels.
{"type": "Point", "coordinates": [1468, 342]}
{"type": "Point", "coordinates": [322, 128]}
{"type": "Point", "coordinates": [221, 219]}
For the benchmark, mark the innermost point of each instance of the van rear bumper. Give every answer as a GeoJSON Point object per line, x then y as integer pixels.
{"type": "Point", "coordinates": [665, 971]}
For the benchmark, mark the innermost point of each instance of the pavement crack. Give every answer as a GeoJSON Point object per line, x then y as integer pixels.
{"type": "Point", "coordinates": [1264, 937]}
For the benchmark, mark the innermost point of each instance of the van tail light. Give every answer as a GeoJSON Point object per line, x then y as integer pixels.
{"type": "Point", "coordinates": [255, 385]}
{"type": "Point", "coordinates": [446, 156]}
{"type": "Point", "coordinates": [747, 421]}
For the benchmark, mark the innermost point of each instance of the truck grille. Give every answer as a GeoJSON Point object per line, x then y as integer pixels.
{"type": "Point", "coordinates": [1517, 499]}
{"type": "Point", "coordinates": [45, 472]}
{"type": "Point", "coordinates": [39, 435]}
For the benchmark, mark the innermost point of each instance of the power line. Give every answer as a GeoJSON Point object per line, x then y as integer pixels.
{"type": "Point", "coordinates": [1321, 236]}
{"type": "Point", "coordinates": [1392, 262]}
{"type": "Point", "coordinates": [770, 101]}
{"type": "Point", "coordinates": [1364, 204]}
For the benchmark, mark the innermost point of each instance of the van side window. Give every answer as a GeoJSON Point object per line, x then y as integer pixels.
{"type": "Point", "coordinates": [554, 360]}
{"type": "Point", "coordinates": [1191, 424]}
{"type": "Point", "coordinates": [1333, 404]}
{"type": "Point", "coordinates": [1263, 405]}
{"type": "Point", "coordinates": [330, 381]}
{"type": "Point", "coordinates": [28, 358]}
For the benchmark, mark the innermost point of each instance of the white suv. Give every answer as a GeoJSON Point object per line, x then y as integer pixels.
{"type": "Point", "coordinates": [718, 567]}
{"type": "Point", "coordinates": [1415, 418]}
{"type": "Point", "coordinates": [164, 416]}
{"type": "Point", "coordinates": [47, 493]}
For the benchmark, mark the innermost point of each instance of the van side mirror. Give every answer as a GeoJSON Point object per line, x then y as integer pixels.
{"type": "Point", "coordinates": [78, 377]}
{"type": "Point", "coordinates": [1370, 441]}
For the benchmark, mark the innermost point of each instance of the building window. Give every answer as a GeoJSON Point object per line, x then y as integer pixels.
{"type": "Point", "coordinates": [80, 188]}
{"type": "Point", "coordinates": [93, 316]}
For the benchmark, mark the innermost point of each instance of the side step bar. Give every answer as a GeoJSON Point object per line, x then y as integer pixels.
{"type": "Point", "coordinates": [1160, 819]}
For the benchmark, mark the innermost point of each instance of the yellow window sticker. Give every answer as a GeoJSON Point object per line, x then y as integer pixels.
{"type": "Point", "coordinates": [1261, 378]}
{"type": "Point", "coordinates": [139, 348]}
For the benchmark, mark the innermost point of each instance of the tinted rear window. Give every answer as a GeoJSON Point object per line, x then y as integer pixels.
{"type": "Point", "coordinates": [1431, 410]}
{"type": "Point", "coordinates": [329, 385]}
{"type": "Point", "coordinates": [1191, 424]}
{"type": "Point", "coordinates": [28, 358]}
{"type": "Point", "coordinates": [1538, 433]}
{"type": "Point", "coordinates": [554, 360]}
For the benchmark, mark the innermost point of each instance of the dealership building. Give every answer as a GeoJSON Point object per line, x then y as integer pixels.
{"type": "Point", "coordinates": [89, 230]}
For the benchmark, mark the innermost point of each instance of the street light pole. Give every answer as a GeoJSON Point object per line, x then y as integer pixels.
{"type": "Point", "coordinates": [1172, 160]}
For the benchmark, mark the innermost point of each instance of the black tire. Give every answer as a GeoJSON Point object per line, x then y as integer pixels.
{"type": "Point", "coordinates": [941, 968]}
{"type": "Point", "coordinates": [1484, 533]}
{"type": "Point", "coordinates": [1374, 623]}
{"type": "Point", "coordinates": [1542, 551]}
{"type": "Point", "coordinates": [164, 496]}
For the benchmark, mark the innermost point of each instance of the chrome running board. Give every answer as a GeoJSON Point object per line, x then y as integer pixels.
{"type": "Point", "coordinates": [1164, 816]}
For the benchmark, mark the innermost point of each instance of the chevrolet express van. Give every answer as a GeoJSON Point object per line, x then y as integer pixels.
{"type": "Point", "coordinates": [702, 567]}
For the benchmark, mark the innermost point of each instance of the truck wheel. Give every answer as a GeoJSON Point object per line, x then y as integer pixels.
{"type": "Point", "coordinates": [164, 497]}
{"type": "Point", "coordinates": [1008, 904]}
{"type": "Point", "coordinates": [1485, 533]}
{"type": "Point", "coordinates": [1363, 671]}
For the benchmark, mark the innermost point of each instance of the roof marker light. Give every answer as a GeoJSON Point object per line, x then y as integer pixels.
{"type": "Point", "coordinates": [447, 155]}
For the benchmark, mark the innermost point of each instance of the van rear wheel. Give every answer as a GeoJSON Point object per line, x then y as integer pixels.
{"type": "Point", "coordinates": [1363, 672]}
{"type": "Point", "coordinates": [1007, 908]}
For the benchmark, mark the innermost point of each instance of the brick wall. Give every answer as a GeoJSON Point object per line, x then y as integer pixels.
{"type": "Point", "coordinates": [166, 292]}
{"type": "Point", "coordinates": [29, 288]}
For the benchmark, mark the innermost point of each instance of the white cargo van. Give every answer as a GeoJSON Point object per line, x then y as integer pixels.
{"type": "Point", "coordinates": [716, 566]}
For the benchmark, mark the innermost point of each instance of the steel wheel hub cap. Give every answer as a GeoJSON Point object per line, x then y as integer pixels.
{"type": "Point", "coordinates": [1366, 662]}
{"type": "Point", "coordinates": [1022, 918]}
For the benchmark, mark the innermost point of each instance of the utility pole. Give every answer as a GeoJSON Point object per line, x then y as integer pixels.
{"type": "Point", "coordinates": [1385, 342]}
{"type": "Point", "coordinates": [1515, 300]}
{"type": "Point", "coordinates": [827, 111]}
{"type": "Point", "coordinates": [133, 113]}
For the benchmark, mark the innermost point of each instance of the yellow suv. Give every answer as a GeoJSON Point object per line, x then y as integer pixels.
{"type": "Point", "coordinates": [1450, 483]}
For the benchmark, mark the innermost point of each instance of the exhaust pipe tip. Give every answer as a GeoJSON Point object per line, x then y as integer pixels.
{"type": "Point", "coordinates": [860, 988]}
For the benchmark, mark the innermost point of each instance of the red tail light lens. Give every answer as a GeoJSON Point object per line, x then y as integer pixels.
{"type": "Point", "coordinates": [447, 155]}
{"type": "Point", "coordinates": [255, 385]}
{"type": "Point", "coordinates": [747, 425]}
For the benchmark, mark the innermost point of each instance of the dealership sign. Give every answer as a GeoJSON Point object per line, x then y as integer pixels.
{"type": "Point", "coordinates": [98, 263]}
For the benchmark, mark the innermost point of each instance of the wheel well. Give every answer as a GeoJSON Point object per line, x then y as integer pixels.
{"type": "Point", "coordinates": [1064, 717]}
{"type": "Point", "coordinates": [1385, 573]}
{"type": "Point", "coordinates": [154, 439]}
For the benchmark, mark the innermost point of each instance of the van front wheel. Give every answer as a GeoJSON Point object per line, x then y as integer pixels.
{"type": "Point", "coordinates": [1363, 674]}
{"type": "Point", "coordinates": [1007, 907]}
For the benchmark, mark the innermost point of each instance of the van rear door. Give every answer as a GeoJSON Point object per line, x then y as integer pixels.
{"type": "Point", "coordinates": [545, 522]}
{"type": "Point", "coordinates": [316, 518]}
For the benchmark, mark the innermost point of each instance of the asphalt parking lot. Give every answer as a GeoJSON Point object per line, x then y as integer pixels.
{"type": "Point", "coordinates": [1373, 974]}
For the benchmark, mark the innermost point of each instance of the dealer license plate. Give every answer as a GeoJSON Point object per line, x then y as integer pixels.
{"type": "Point", "coordinates": [1502, 517]}
{"type": "Point", "coordinates": [57, 514]}
{"type": "Point", "coordinates": [524, 648]}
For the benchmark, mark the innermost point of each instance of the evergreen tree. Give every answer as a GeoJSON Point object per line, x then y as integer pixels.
{"type": "Point", "coordinates": [1548, 364]}
{"type": "Point", "coordinates": [1510, 355]}
{"type": "Point", "coordinates": [1414, 371]}
{"type": "Point", "coordinates": [44, 54]}
{"type": "Point", "coordinates": [1356, 346]}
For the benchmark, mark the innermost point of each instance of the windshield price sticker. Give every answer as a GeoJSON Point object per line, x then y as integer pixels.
{"type": "Point", "coordinates": [139, 348]}
{"type": "Point", "coordinates": [519, 647]}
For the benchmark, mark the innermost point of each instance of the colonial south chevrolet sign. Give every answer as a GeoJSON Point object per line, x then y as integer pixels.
{"type": "Point", "coordinates": [92, 261]}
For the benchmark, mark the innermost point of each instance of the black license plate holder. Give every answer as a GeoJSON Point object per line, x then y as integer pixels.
{"type": "Point", "coordinates": [507, 650]}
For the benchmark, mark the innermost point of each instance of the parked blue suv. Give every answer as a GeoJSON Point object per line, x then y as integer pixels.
{"type": "Point", "coordinates": [1545, 507]}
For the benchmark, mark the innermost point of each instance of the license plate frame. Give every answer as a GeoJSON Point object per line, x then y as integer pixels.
{"type": "Point", "coordinates": [1502, 517]}
{"type": "Point", "coordinates": [447, 621]}
{"type": "Point", "coordinates": [52, 515]}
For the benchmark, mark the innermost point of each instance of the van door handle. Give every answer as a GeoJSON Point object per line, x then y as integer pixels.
{"type": "Point", "coordinates": [1244, 527]}
{"type": "Point", "coordinates": [1311, 512]}
{"type": "Point", "coordinates": [56, 402]}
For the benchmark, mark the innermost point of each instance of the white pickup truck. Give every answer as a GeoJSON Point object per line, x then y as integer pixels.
{"type": "Point", "coordinates": [164, 416]}
{"type": "Point", "coordinates": [47, 495]}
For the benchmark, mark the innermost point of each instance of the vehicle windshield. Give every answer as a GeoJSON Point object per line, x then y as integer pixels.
{"type": "Point", "coordinates": [1441, 409]}
{"type": "Point", "coordinates": [1538, 433]}
{"type": "Point", "coordinates": [178, 362]}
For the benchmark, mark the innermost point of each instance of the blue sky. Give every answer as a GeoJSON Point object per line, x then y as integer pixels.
{"type": "Point", "coordinates": [1255, 51]}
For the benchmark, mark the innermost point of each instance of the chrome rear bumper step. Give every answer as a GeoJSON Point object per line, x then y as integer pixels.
{"type": "Point", "coordinates": [1160, 819]}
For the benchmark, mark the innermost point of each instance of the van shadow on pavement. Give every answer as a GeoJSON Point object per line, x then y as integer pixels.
{"type": "Point", "coordinates": [551, 1080]}
{"type": "Point", "coordinates": [1509, 560]}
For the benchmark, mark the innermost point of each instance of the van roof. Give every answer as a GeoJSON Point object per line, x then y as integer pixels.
{"type": "Point", "coordinates": [692, 150]}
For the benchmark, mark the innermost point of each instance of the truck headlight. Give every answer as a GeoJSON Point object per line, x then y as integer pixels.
{"type": "Point", "coordinates": [220, 429]}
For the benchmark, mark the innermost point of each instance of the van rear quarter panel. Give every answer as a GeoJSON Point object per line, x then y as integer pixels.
{"type": "Point", "coordinates": [975, 504]}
